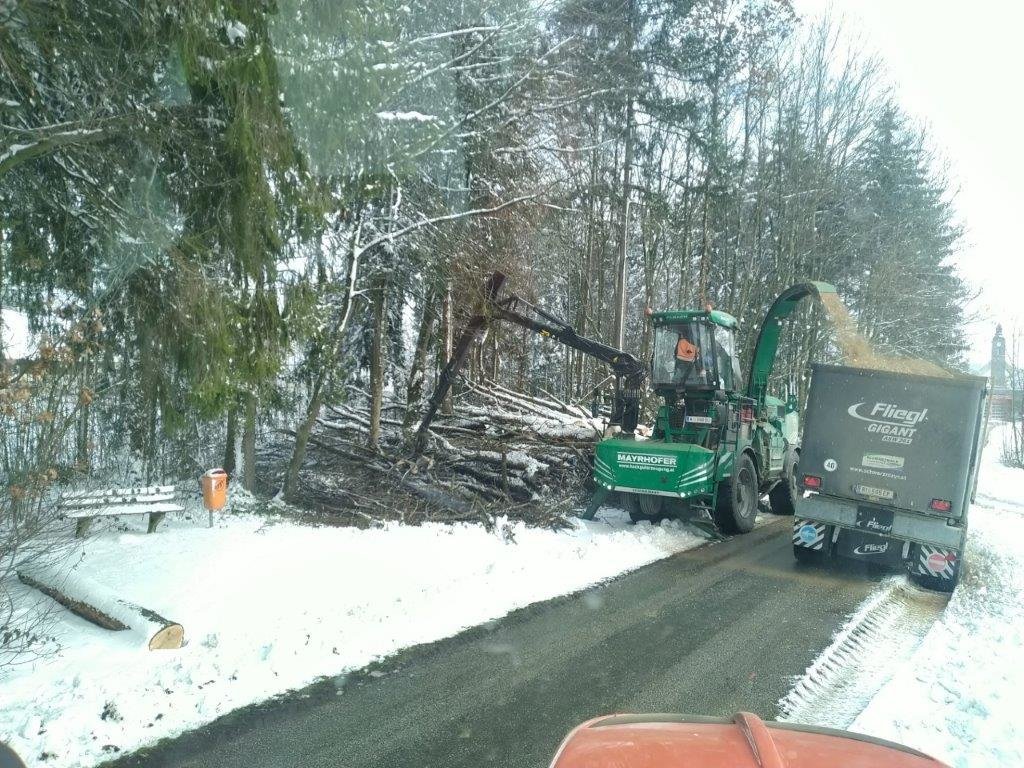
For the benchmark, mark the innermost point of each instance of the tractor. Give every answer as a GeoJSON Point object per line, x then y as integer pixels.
{"type": "Point", "coordinates": [719, 442]}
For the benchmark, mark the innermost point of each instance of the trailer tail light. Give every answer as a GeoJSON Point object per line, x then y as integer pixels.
{"type": "Point", "coordinates": [940, 505]}
{"type": "Point", "coordinates": [812, 481]}
{"type": "Point", "coordinates": [747, 414]}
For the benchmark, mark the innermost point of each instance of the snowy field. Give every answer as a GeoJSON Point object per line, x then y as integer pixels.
{"type": "Point", "coordinates": [958, 696]}
{"type": "Point", "coordinates": [270, 605]}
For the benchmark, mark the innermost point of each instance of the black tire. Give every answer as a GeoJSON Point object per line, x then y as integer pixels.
{"type": "Point", "coordinates": [653, 507]}
{"type": "Point", "coordinates": [808, 556]}
{"type": "Point", "coordinates": [642, 506]}
{"type": "Point", "coordinates": [783, 494]}
{"type": "Point", "coordinates": [736, 506]}
{"type": "Point", "coordinates": [630, 503]}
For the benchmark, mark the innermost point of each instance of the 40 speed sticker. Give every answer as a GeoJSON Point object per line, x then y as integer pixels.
{"type": "Point", "coordinates": [808, 533]}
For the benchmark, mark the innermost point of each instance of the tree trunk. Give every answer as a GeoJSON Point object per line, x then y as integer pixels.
{"type": "Point", "coordinates": [151, 450]}
{"type": "Point", "coordinates": [495, 354]}
{"type": "Point", "coordinates": [231, 440]}
{"type": "Point", "coordinates": [414, 388]}
{"type": "Point", "coordinates": [82, 436]}
{"type": "Point", "coordinates": [621, 262]}
{"type": "Point", "coordinates": [319, 394]}
{"type": "Point", "coordinates": [446, 344]}
{"type": "Point", "coordinates": [95, 603]}
{"type": "Point", "coordinates": [316, 402]}
{"type": "Point", "coordinates": [586, 273]}
{"type": "Point", "coordinates": [249, 443]}
{"type": "Point", "coordinates": [377, 363]}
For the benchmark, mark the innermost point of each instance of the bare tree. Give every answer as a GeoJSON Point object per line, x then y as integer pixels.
{"type": "Point", "coordinates": [1013, 443]}
{"type": "Point", "coordinates": [40, 401]}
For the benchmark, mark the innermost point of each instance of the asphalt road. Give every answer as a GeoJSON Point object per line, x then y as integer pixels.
{"type": "Point", "coordinates": [710, 631]}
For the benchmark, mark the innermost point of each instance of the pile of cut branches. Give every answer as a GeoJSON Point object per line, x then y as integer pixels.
{"type": "Point", "coordinates": [499, 453]}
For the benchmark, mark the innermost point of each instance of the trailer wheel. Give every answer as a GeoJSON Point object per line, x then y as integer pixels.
{"type": "Point", "coordinates": [642, 506]}
{"type": "Point", "coordinates": [783, 494]}
{"type": "Point", "coordinates": [736, 505]}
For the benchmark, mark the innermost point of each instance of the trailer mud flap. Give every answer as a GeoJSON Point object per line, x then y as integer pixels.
{"type": "Point", "coordinates": [809, 534]}
{"type": "Point", "coordinates": [869, 547]}
{"type": "Point", "coordinates": [936, 562]}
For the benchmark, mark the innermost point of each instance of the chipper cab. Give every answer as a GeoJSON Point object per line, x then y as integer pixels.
{"type": "Point", "coordinates": [888, 470]}
{"type": "Point", "coordinates": [719, 441]}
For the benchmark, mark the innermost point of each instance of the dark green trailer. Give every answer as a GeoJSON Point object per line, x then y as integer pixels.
{"type": "Point", "coordinates": [888, 468]}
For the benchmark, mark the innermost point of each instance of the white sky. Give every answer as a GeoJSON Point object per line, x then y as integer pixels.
{"type": "Point", "coordinates": [957, 68]}
{"type": "Point", "coordinates": [15, 334]}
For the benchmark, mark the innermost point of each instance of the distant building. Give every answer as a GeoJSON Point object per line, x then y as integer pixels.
{"type": "Point", "coordinates": [997, 367]}
{"type": "Point", "coordinates": [1003, 398]}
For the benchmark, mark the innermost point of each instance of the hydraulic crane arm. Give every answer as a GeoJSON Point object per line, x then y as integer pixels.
{"type": "Point", "coordinates": [629, 372]}
{"type": "Point", "coordinates": [516, 309]}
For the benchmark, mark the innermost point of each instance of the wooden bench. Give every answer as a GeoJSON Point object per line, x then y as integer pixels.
{"type": "Point", "coordinates": [155, 501]}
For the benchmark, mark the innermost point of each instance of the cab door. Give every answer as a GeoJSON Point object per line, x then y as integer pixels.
{"type": "Point", "coordinates": [776, 440]}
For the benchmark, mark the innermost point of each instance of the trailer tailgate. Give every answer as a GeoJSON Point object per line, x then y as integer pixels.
{"type": "Point", "coordinates": [893, 439]}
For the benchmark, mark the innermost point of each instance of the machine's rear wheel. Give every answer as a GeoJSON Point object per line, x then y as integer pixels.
{"type": "Point", "coordinates": [642, 506]}
{"type": "Point", "coordinates": [736, 505]}
{"type": "Point", "coordinates": [783, 494]}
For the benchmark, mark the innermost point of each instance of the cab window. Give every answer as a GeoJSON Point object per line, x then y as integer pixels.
{"type": "Point", "coordinates": [684, 356]}
{"type": "Point", "coordinates": [728, 365]}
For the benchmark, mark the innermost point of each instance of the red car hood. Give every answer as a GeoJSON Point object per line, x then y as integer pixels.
{"type": "Point", "coordinates": [680, 741]}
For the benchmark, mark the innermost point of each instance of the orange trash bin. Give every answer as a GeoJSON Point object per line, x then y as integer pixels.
{"type": "Point", "coordinates": [215, 489]}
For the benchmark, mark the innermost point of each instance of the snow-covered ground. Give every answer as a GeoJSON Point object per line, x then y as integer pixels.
{"type": "Point", "coordinates": [959, 695]}
{"type": "Point", "coordinates": [269, 605]}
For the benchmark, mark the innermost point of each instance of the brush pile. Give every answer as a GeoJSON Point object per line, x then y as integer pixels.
{"type": "Point", "coordinates": [499, 452]}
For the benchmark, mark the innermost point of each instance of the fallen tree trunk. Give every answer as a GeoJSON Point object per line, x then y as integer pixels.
{"type": "Point", "coordinates": [95, 603]}
{"type": "Point", "coordinates": [552, 405]}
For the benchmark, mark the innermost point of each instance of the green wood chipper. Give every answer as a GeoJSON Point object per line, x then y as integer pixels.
{"type": "Point", "coordinates": [719, 441]}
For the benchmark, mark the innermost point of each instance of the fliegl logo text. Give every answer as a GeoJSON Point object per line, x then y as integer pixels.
{"type": "Point", "coordinates": [872, 549]}
{"type": "Point", "coordinates": [646, 461]}
{"type": "Point", "coordinates": [893, 423]}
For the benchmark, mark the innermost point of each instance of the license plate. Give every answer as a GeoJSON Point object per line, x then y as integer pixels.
{"type": "Point", "coordinates": [873, 493]}
{"type": "Point", "coordinates": [874, 520]}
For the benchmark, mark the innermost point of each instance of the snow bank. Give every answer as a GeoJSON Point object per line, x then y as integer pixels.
{"type": "Point", "coordinates": [269, 605]}
{"type": "Point", "coordinates": [960, 696]}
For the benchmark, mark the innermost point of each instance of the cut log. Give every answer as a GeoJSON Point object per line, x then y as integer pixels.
{"type": "Point", "coordinates": [501, 399]}
{"type": "Point", "coordinates": [97, 604]}
{"type": "Point", "coordinates": [552, 403]}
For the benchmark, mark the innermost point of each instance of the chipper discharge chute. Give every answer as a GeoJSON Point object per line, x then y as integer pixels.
{"type": "Point", "coordinates": [719, 441]}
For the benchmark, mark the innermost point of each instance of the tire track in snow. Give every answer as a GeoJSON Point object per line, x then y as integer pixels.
{"type": "Point", "coordinates": [879, 637]}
